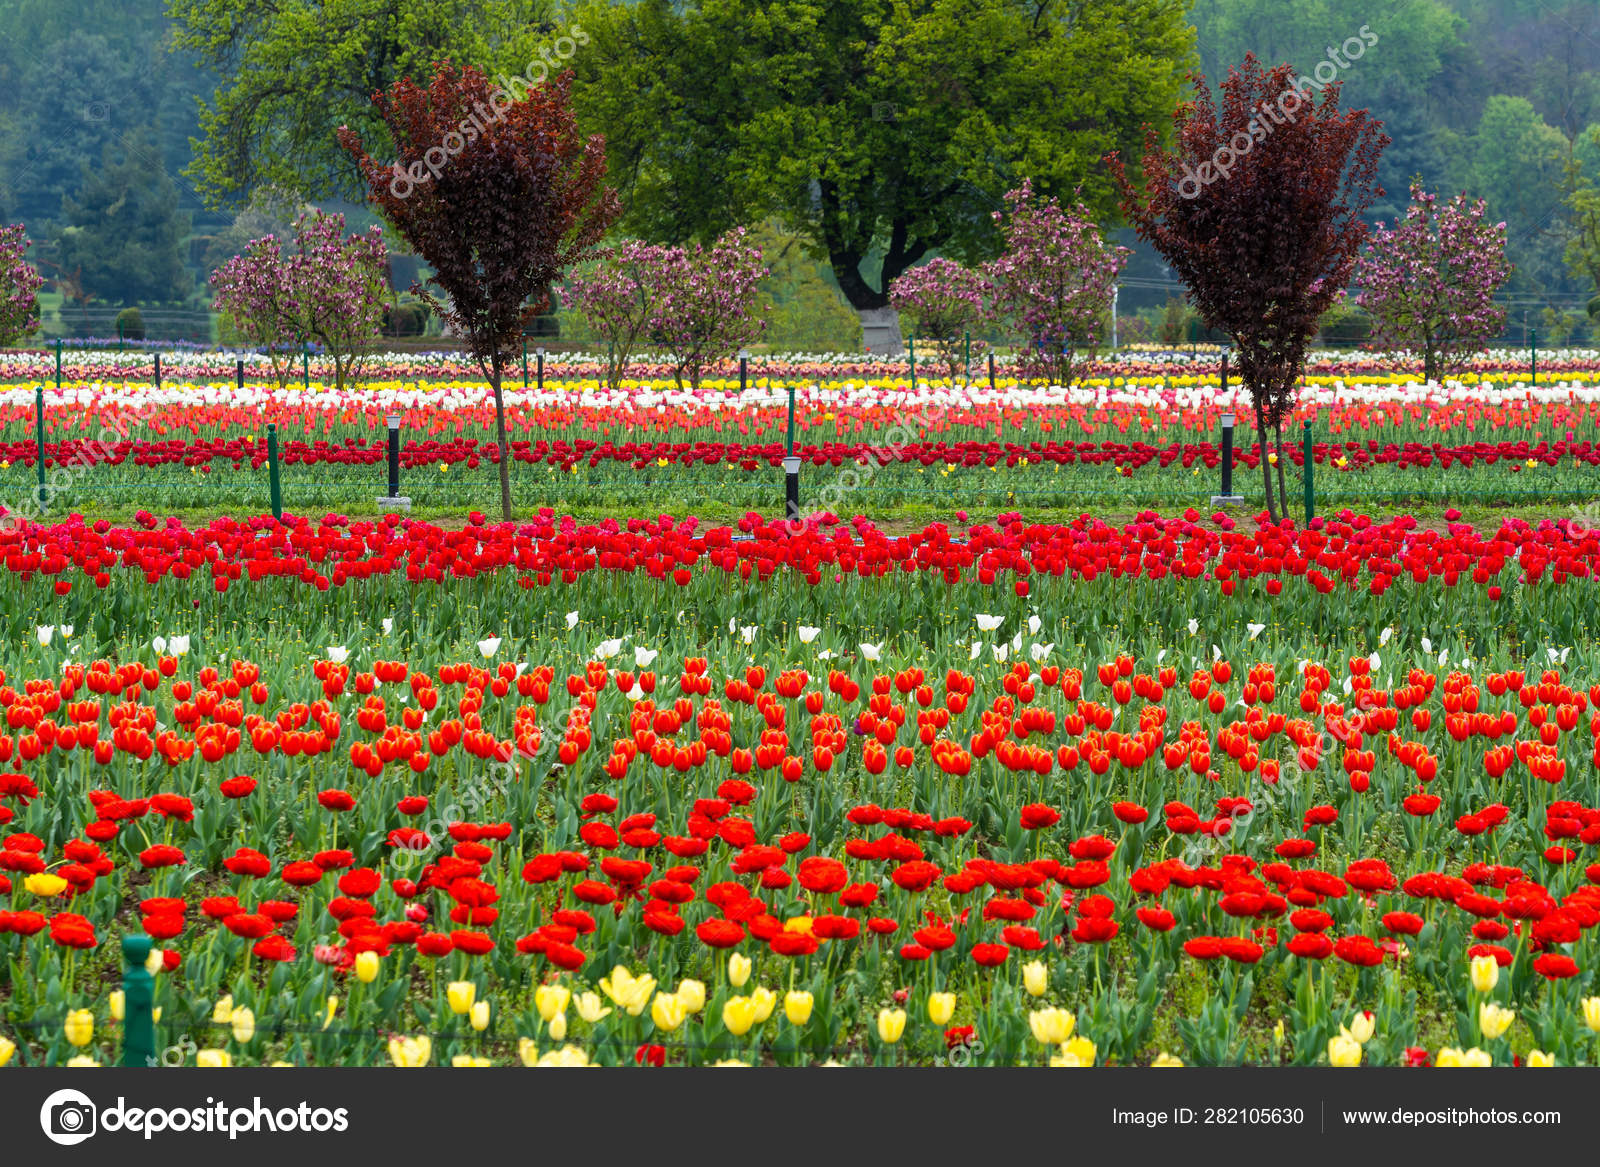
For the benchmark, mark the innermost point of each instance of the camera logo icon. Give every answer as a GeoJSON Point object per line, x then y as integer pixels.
{"type": "Point", "coordinates": [68, 1117]}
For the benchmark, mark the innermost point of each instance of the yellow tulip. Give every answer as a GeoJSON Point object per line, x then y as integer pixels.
{"type": "Point", "coordinates": [1591, 1013]}
{"type": "Point", "coordinates": [1493, 1020]}
{"type": "Point", "coordinates": [8, 1049]}
{"type": "Point", "coordinates": [941, 1007]}
{"type": "Point", "coordinates": [327, 1016]}
{"type": "Point", "coordinates": [800, 924]}
{"type": "Point", "coordinates": [244, 1024]}
{"type": "Point", "coordinates": [738, 969]}
{"type": "Point", "coordinates": [1344, 1050]}
{"type": "Point", "coordinates": [81, 1062]}
{"type": "Point", "coordinates": [1051, 1026]}
{"type": "Point", "coordinates": [1447, 1058]}
{"type": "Point", "coordinates": [116, 1001]}
{"type": "Point", "coordinates": [528, 1051]}
{"type": "Point", "coordinates": [1081, 1048]}
{"type": "Point", "coordinates": [1361, 1026]}
{"type": "Point", "coordinates": [631, 993]}
{"type": "Point", "coordinates": [222, 1011]}
{"type": "Point", "coordinates": [567, 1055]}
{"type": "Point", "coordinates": [154, 963]}
{"type": "Point", "coordinates": [1066, 1059]}
{"type": "Point", "coordinates": [1035, 978]}
{"type": "Point", "coordinates": [591, 1008]}
{"type": "Point", "coordinates": [45, 884]}
{"type": "Point", "coordinates": [558, 1026]}
{"type": "Point", "coordinates": [765, 1001]}
{"type": "Point", "coordinates": [692, 994]}
{"type": "Point", "coordinates": [797, 1006]}
{"type": "Point", "coordinates": [667, 1012]}
{"type": "Point", "coordinates": [738, 1015]}
{"type": "Point", "coordinates": [1165, 1061]}
{"type": "Point", "coordinates": [551, 1000]}
{"type": "Point", "coordinates": [730, 1064]}
{"type": "Point", "coordinates": [213, 1059]}
{"type": "Point", "coordinates": [410, 1052]}
{"type": "Point", "coordinates": [280, 1065]}
{"type": "Point", "coordinates": [891, 1024]}
{"type": "Point", "coordinates": [367, 967]}
{"type": "Point", "coordinates": [468, 1061]}
{"type": "Point", "coordinates": [1476, 1057]}
{"type": "Point", "coordinates": [79, 1027]}
{"type": "Point", "coordinates": [461, 994]}
{"type": "Point", "coordinates": [478, 1018]}
{"type": "Point", "coordinates": [1485, 973]}
{"type": "Point", "coordinates": [1539, 1060]}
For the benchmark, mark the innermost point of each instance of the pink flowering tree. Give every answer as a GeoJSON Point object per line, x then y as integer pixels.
{"type": "Point", "coordinates": [19, 281]}
{"type": "Point", "coordinates": [1054, 283]}
{"type": "Point", "coordinates": [706, 308]}
{"type": "Point", "coordinates": [1429, 283]}
{"type": "Point", "coordinates": [618, 294]}
{"type": "Point", "coordinates": [329, 288]}
{"type": "Point", "coordinates": [942, 302]}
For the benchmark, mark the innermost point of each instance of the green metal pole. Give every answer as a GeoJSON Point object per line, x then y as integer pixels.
{"type": "Point", "coordinates": [1306, 457]}
{"type": "Point", "coordinates": [274, 486]}
{"type": "Point", "coordinates": [912, 341]}
{"type": "Point", "coordinates": [524, 362]}
{"type": "Point", "coordinates": [966, 357]}
{"type": "Point", "coordinates": [38, 433]}
{"type": "Point", "coordinates": [138, 995]}
{"type": "Point", "coordinates": [305, 364]}
{"type": "Point", "coordinates": [789, 445]}
{"type": "Point", "coordinates": [58, 362]}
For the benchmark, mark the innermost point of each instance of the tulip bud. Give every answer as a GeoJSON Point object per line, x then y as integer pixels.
{"type": "Point", "coordinates": [551, 1001]}
{"type": "Point", "coordinates": [765, 1001]}
{"type": "Point", "coordinates": [212, 1059]}
{"type": "Point", "coordinates": [591, 1008]}
{"type": "Point", "coordinates": [469, 1061]}
{"type": "Point", "coordinates": [1485, 973]}
{"type": "Point", "coordinates": [332, 1008]}
{"type": "Point", "coordinates": [1494, 1020]}
{"type": "Point", "coordinates": [1081, 1048]}
{"type": "Point", "coordinates": [367, 967]}
{"type": "Point", "coordinates": [797, 1007]}
{"type": "Point", "coordinates": [1165, 1061]}
{"type": "Point", "coordinates": [461, 994]}
{"type": "Point", "coordinates": [738, 1015]}
{"type": "Point", "coordinates": [738, 970]}
{"type": "Point", "coordinates": [667, 1012]}
{"type": "Point", "coordinates": [1361, 1026]}
{"type": "Point", "coordinates": [154, 962]}
{"type": "Point", "coordinates": [941, 1007]}
{"type": "Point", "coordinates": [222, 1010]}
{"type": "Point", "coordinates": [244, 1025]}
{"type": "Point", "coordinates": [79, 1027]}
{"type": "Point", "coordinates": [1051, 1026]}
{"type": "Point", "coordinates": [116, 1002]}
{"type": "Point", "coordinates": [7, 1049]}
{"type": "Point", "coordinates": [478, 1016]}
{"type": "Point", "coordinates": [693, 995]}
{"type": "Point", "coordinates": [1591, 1013]}
{"type": "Point", "coordinates": [891, 1024]}
{"type": "Point", "coordinates": [558, 1027]}
{"type": "Point", "coordinates": [1035, 978]}
{"type": "Point", "coordinates": [1476, 1058]}
{"type": "Point", "coordinates": [81, 1062]}
{"type": "Point", "coordinates": [1539, 1060]}
{"type": "Point", "coordinates": [410, 1052]}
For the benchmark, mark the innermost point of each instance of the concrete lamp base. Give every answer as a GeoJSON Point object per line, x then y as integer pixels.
{"type": "Point", "coordinates": [1227, 500]}
{"type": "Point", "coordinates": [399, 503]}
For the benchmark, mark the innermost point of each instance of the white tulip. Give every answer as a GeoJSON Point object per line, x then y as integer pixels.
{"type": "Point", "coordinates": [872, 651]}
{"type": "Point", "coordinates": [643, 656]}
{"type": "Point", "coordinates": [338, 653]}
{"type": "Point", "coordinates": [572, 620]}
{"type": "Point", "coordinates": [988, 623]}
{"type": "Point", "coordinates": [46, 631]}
{"type": "Point", "coordinates": [489, 647]}
{"type": "Point", "coordinates": [808, 634]}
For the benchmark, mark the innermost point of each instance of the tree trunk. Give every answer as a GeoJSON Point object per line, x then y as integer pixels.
{"type": "Point", "coordinates": [1283, 492]}
{"type": "Point", "coordinates": [500, 433]}
{"type": "Point", "coordinates": [1261, 447]}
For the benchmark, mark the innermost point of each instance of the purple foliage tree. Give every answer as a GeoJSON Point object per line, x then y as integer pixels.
{"type": "Point", "coordinates": [706, 308]}
{"type": "Point", "coordinates": [1054, 283]}
{"type": "Point", "coordinates": [329, 289]}
{"type": "Point", "coordinates": [618, 294]}
{"type": "Point", "coordinates": [1429, 283]}
{"type": "Point", "coordinates": [19, 281]}
{"type": "Point", "coordinates": [943, 302]}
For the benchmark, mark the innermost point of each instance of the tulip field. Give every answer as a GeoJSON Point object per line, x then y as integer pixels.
{"type": "Point", "coordinates": [1011, 786]}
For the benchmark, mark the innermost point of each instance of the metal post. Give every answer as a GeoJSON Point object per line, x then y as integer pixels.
{"type": "Point", "coordinates": [274, 487]}
{"type": "Point", "coordinates": [1307, 459]}
{"type": "Point", "coordinates": [58, 362]}
{"type": "Point", "coordinates": [1227, 497]}
{"type": "Point", "coordinates": [38, 431]}
{"type": "Point", "coordinates": [238, 370]}
{"type": "Point", "coordinates": [394, 455]}
{"type": "Point", "coordinates": [744, 370]}
{"type": "Point", "coordinates": [1114, 290]}
{"type": "Point", "coordinates": [158, 370]}
{"type": "Point", "coordinates": [991, 369]}
{"type": "Point", "coordinates": [539, 354]}
{"type": "Point", "coordinates": [138, 997]}
{"type": "Point", "coordinates": [524, 362]}
{"type": "Point", "coordinates": [791, 468]}
{"type": "Point", "coordinates": [305, 364]}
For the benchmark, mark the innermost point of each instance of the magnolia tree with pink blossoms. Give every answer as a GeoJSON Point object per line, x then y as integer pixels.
{"type": "Point", "coordinates": [1429, 283]}
{"type": "Point", "coordinates": [1054, 283]}
{"type": "Point", "coordinates": [943, 303]}
{"type": "Point", "coordinates": [19, 281]}
{"type": "Point", "coordinates": [618, 295]}
{"type": "Point", "coordinates": [329, 288]}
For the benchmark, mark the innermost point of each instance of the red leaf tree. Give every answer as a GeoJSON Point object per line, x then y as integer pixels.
{"type": "Point", "coordinates": [498, 196]}
{"type": "Point", "coordinates": [1258, 207]}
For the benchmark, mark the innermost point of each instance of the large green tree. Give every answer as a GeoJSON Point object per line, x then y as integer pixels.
{"type": "Point", "coordinates": [879, 131]}
{"type": "Point", "coordinates": [295, 69]}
